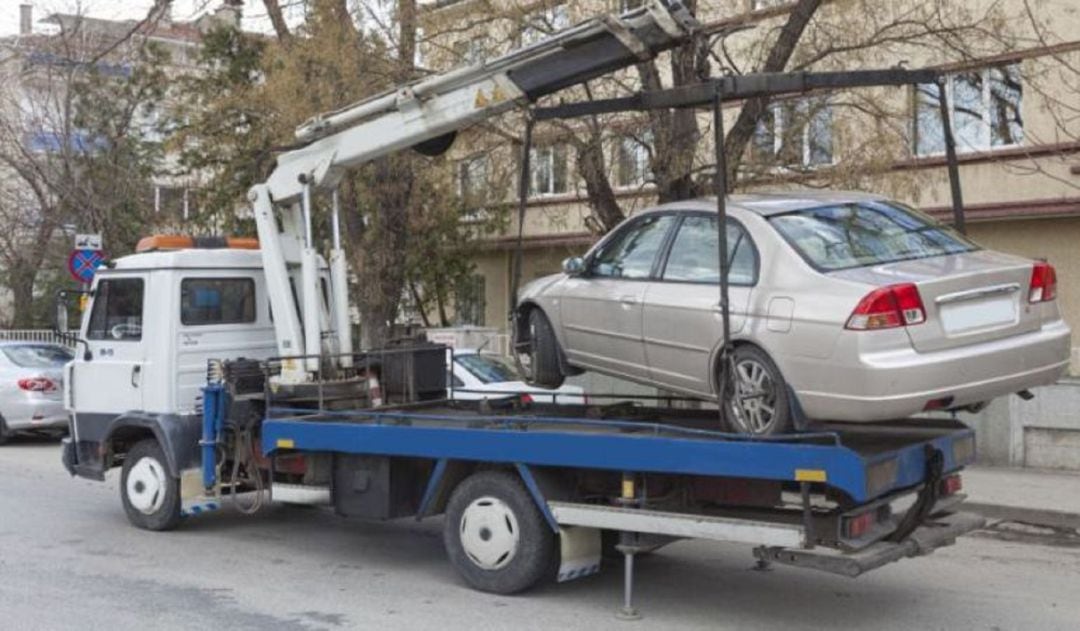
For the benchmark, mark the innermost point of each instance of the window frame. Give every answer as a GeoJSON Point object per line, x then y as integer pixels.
{"type": "Point", "coordinates": [986, 126]}
{"type": "Point", "coordinates": [666, 254]}
{"type": "Point", "coordinates": [549, 153]}
{"type": "Point", "coordinates": [590, 258]}
{"type": "Point", "coordinates": [248, 280]}
{"type": "Point", "coordinates": [89, 334]}
{"type": "Point", "coordinates": [778, 133]}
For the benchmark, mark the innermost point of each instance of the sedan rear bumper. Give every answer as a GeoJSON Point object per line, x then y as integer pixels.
{"type": "Point", "coordinates": [897, 384]}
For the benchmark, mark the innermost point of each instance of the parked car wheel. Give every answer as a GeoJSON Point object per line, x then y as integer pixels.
{"type": "Point", "coordinates": [544, 352]}
{"type": "Point", "coordinates": [151, 496]}
{"type": "Point", "coordinates": [758, 397]}
{"type": "Point", "coordinates": [5, 434]}
{"type": "Point", "coordinates": [496, 537]}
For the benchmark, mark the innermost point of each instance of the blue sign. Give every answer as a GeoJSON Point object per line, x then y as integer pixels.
{"type": "Point", "coordinates": [83, 263]}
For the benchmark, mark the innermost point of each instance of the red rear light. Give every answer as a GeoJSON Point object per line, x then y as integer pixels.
{"type": "Point", "coordinates": [855, 527]}
{"type": "Point", "coordinates": [526, 398]}
{"type": "Point", "coordinates": [37, 384]}
{"type": "Point", "coordinates": [951, 485]}
{"type": "Point", "coordinates": [1043, 282]}
{"type": "Point", "coordinates": [888, 307]}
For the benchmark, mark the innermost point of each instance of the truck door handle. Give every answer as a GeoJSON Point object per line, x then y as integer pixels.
{"type": "Point", "coordinates": [136, 371]}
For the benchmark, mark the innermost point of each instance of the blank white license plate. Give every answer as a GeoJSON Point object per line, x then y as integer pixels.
{"type": "Point", "coordinates": [972, 315]}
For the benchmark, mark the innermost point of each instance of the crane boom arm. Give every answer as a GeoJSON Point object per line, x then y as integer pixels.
{"type": "Point", "coordinates": [446, 103]}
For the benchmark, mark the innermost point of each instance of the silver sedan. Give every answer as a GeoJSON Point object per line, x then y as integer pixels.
{"type": "Point", "coordinates": [844, 306]}
{"type": "Point", "coordinates": [31, 388]}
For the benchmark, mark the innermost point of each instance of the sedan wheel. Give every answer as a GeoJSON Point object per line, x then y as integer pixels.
{"type": "Point", "coordinates": [758, 403]}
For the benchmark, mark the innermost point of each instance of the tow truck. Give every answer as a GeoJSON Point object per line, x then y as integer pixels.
{"type": "Point", "coordinates": [213, 370]}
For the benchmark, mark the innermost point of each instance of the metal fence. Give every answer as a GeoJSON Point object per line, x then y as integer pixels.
{"type": "Point", "coordinates": [32, 335]}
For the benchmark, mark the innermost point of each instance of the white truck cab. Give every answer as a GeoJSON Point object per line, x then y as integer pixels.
{"type": "Point", "coordinates": [153, 322]}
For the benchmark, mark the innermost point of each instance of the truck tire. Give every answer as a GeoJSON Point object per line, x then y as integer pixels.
{"type": "Point", "coordinates": [544, 352]}
{"type": "Point", "coordinates": [495, 535]}
{"type": "Point", "coordinates": [759, 403]}
{"type": "Point", "coordinates": [151, 496]}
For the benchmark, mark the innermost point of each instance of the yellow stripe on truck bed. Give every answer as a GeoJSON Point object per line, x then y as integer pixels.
{"type": "Point", "coordinates": [809, 475]}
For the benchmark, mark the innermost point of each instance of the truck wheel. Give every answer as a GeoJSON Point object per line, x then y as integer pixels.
{"type": "Point", "coordinates": [544, 351]}
{"type": "Point", "coordinates": [151, 496]}
{"type": "Point", "coordinates": [758, 403]}
{"type": "Point", "coordinates": [496, 537]}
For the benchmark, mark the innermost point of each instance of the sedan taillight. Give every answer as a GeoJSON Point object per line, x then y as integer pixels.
{"type": "Point", "coordinates": [37, 384]}
{"type": "Point", "coordinates": [1043, 282]}
{"type": "Point", "coordinates": [888, 307]}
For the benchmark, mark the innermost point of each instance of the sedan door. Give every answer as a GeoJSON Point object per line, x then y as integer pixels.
{"type": "Point", "coordinates": [683, 322]}
{"type": "Point", "coordinates": [601, 309]}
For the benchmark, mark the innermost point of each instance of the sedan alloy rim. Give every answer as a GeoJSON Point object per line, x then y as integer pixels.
{"type": "Point", "coordinates": [489, 533]}
{"type": "Point", "coordinates": [754, 405]}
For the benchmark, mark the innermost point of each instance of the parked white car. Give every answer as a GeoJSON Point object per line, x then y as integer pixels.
{"type": "Point", "coordinates": [474, 376]}
{"type": "Point", "coordinates": [31, 388]}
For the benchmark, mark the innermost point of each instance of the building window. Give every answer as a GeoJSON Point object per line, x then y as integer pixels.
{"type": "Point", "coordinates": [472, 180]}
{"type": "Point", "coordinates": [549, 170]}
{"type": "Point", "coordinates": [472, 51]}
{"type": "Point", "coordinates": [470, 302]}
{"type": "Point", "coordinates": [985, 106]}
{"type": "Point", "coordinates": [217, 301]}
{"type": "Point", "coordinates": [544, 22]}
{"type": "Point", "coordinates": [796, 133]}
{"type": "Point", "coordinates": [632, 161]}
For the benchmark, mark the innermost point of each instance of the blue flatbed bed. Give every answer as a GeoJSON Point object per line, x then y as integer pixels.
{"type": "Point", "coordinates": [865, 462]}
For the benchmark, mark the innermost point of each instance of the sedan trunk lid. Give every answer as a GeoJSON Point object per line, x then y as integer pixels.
{"type": "Point", "coordinates": [969, 298]}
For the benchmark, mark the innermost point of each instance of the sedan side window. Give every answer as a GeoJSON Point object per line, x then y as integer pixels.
{"type": "Point", "coordinates": [695, 255]}
{"type": "Point", "coordinates": [633, 253]}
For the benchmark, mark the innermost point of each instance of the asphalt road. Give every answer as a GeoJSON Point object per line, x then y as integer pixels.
{"type": "Point", "coordinates": [69, 560]}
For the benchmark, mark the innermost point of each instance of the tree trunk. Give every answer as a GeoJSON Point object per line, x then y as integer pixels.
{"type": "Point", "coordinates": [590, 164]}
{"type": "Point", "coordinates": [277, 19]}
{"type": "Point", "coordinates": [739, 136]}
{"type": "Point", "coordinates": [21, 283]}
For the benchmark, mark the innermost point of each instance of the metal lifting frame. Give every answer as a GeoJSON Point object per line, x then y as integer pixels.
{"type": "Point", "coordinates": [424, 115]}
{"type": "Point", "coordinates": [712, 94]}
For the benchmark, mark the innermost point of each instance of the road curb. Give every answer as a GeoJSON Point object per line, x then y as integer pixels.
{"type": "Point", "coordinates": [1035, 516]}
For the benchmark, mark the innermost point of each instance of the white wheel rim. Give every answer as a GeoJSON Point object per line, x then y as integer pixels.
{"type": "Point", "coordinates": [489, 533]}
{"type": "Point", "coordinates": [146, 485]}
{"type": "Point", "coordinates": [754, 403]}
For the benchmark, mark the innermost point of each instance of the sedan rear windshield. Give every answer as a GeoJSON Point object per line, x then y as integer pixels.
{"type": "Point", "coordinates": [486, 368]}
{"type": "Point", "coordinates": [38, 355]}
{"type": "Point", "coordinates": [866, 233]}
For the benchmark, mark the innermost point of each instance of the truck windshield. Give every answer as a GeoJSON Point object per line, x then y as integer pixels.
{"type": "Point", "coordinates": [858, 234]}
{"type": "Point", "coordinates": [38, 355]}
{"type": "Point", "coordinates": [486, 368]}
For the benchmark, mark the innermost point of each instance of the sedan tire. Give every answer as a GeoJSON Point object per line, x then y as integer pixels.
{"type": "Point", "coordinates": [758, 398]}
{"type": "Point", "coordinates": [5, 434]}
{"type": "Point", "coordinates": [544, 352]}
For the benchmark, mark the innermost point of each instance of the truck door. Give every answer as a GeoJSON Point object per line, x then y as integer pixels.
{"type": "Point", "coordinates": [111, 382]}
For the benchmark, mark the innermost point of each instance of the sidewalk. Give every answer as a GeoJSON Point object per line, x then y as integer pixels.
{"type": "Point", "coordinates": [1047, 498]}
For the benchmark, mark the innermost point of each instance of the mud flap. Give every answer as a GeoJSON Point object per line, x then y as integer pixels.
{"type": "Point", "coordinates": [579, 552]}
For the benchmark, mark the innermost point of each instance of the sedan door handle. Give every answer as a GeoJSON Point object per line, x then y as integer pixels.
{"type": "Point", "coordinates": [629, 300]}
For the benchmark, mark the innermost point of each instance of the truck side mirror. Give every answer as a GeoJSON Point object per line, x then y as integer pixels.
{"type": "Point", "coordinates": [573, 266]}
